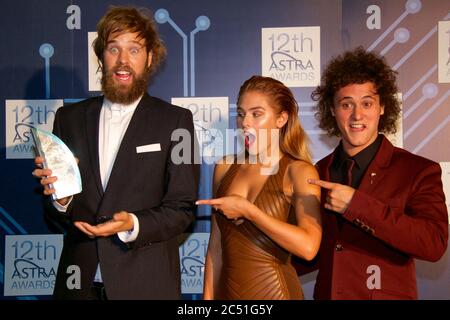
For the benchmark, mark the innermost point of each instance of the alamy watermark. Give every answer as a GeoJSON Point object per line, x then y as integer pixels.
{"type": "Point", "coordinates": [263, 147]}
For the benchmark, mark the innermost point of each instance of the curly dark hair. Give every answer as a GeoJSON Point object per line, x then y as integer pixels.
{"type": "Point", "coordinates": [357, 67]}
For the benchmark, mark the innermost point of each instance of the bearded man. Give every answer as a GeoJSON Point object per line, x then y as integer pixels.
{"type": "Point", "coordinates": [121, 230]}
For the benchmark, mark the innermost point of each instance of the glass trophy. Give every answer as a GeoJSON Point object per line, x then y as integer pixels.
{"type": "Point", "coordinates": [59, 159]}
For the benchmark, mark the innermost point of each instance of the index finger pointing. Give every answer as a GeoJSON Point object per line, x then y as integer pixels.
{"type": "Point", "coordinates": [321, 183]}
{"type": "Point", "coordinates": [206, 201]}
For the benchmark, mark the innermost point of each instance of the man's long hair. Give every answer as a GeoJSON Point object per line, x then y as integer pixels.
{"type": "Point", "coordinates": [128, 19]}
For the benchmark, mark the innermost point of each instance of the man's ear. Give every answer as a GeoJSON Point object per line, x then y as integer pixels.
{"type": "Point", "coordinates": [382, 110]}
{"type": "Point", "coordinates": [282, 119]}
{"type": "Point", "coordinates": [332, 111]}
{"type": "Point", "coordinates": [149, 59]}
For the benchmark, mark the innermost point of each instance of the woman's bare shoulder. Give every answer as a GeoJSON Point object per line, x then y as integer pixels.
{"type": "Point", "coordinates": [302, 168]}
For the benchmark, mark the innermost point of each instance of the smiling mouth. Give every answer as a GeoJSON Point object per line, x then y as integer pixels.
{"type": "Point", "coordinates": [357, 127]}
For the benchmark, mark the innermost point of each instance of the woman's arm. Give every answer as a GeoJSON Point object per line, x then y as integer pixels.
{"type": "Point", "coordinates": [302, 239]}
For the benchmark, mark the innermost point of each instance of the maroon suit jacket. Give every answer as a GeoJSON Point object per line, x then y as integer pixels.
{"type": "Point", "coordinates": [397, 213]}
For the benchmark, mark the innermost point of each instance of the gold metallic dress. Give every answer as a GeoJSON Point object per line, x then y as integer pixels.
{"type": "Point", "coordinates": [254, 266]}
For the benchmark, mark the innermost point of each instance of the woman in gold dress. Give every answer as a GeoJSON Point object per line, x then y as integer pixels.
{"type": "Point", "coordinates": [264, 211]}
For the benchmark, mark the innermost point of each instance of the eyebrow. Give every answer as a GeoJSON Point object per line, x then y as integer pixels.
{"type": "Point", "coordinates": [351, 98]}
{"type": "Point", "coordinates": [252, 108]}
{"type": "Point", "coordinates": [132, 41]}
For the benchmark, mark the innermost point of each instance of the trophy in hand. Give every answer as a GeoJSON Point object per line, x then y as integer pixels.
{"type": "Point", "coordinates": [59, 159]}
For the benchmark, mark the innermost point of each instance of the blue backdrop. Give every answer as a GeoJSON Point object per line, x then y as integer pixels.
{"type": "Point", "coordinates": [224, 45]}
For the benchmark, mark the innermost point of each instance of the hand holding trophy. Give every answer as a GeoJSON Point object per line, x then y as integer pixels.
{"type": "Point", "coordinates": [56, 156]}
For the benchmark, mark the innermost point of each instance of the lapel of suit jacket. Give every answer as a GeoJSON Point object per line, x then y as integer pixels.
{"type": "Point", "coordinates": [377, 169]}
{"type": "Point", "coordinates": [92, 123]}
{"type": "Point", "coordinates": [139, 121]}
{"type": "Point", "coordinates": [374, 175]}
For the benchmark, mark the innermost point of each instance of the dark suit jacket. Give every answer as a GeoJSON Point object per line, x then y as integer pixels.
{"type": "Point", "coordinates": [160, 193]}
{"type": "Point", "coordinates": [398, 213]}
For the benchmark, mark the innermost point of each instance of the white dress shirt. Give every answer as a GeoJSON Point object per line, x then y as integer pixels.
{"type": "Point", "coordinates": [114, 121]}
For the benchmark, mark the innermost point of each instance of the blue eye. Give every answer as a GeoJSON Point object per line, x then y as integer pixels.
{"type": "Point", "coordinates": [113, 50]}
{"type": "Point", "coordinates": [134, 51]}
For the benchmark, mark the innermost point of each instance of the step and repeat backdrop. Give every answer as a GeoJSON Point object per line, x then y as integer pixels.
{"type": "Point", "coordinates": [213, 46]}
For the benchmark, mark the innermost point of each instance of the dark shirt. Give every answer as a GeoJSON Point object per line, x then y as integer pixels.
{"type": "Point", "coordinates": [339, 167]}
{"type": "Point", "coordinates": [338, 170]}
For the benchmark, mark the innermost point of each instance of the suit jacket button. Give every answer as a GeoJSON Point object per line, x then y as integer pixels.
{"type": "Point", "coordinates": [339, 247]}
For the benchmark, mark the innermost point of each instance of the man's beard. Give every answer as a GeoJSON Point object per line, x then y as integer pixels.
{"type": "Point", "coordinates": [124, 94]}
